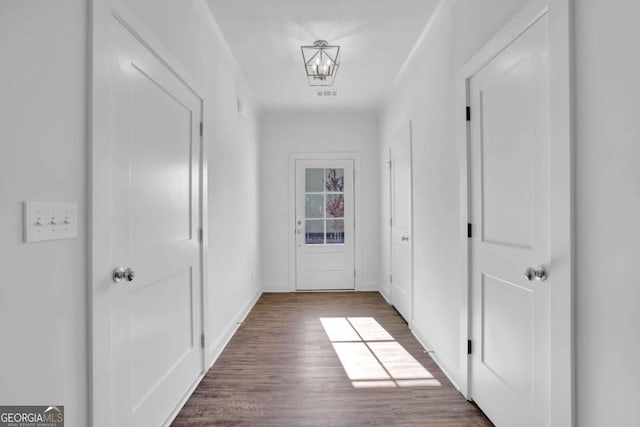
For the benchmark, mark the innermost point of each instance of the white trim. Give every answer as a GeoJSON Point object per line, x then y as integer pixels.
{"type": "Point", "coordinates": [464, 245]}
{"type": "Point", "coordinates": [398, 142]}
{"type": "Point", "coordinates": [387, 282]}
{"type": "Point", "coordinates": [445, 367]}
{"type": "Point", "coordinates": [562, 407]}
{"type": "Point", "coordinates": [284, 288]}
{"type": "Point", "coordinates": [355, 157]}
{"type": "Point", "coordinates": [369, 287]}
{"type": "Point", "coordinates": [412, 211]}
{"type": "Point", "coordinates": [100, 198]}
{"type": "Point", "coordinates": [185, 399]}
{"type": "Point", "coordinates": [215, 354]}
{"type": "Point", "coordinates": [214, 351]}
{"type": "Point", "coordinates": [274, 289]}
{"type": "Point", "coordinates": [204, 225]}
{"type": "Point", "coordinates": [120, 11]}
{"type": "Point", "coordinates": [562, 214]}
{"type": "Point", "coordinates": [385, 296]}
{"type": "Point", "coordinates": [534, 10]}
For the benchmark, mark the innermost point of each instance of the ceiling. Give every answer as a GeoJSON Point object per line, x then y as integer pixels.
{"type": "Point", "coordinates": [375, 38]}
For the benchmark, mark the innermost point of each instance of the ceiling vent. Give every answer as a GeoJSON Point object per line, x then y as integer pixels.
{"type": "Point", "coordinates": [327, 93]}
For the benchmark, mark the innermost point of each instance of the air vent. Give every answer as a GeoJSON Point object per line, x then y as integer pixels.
{"type": "Point", "coordinates": [327, 93]}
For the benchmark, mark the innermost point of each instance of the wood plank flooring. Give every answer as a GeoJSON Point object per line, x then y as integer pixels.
{"type": "Point", "coordinates": [281, 369]}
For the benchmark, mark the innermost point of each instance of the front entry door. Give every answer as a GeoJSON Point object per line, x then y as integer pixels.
{"type": "Point", "coordinates": [325, 244]}
{"type": "Point", "coordinates": [401, 225]}
{"type": "Point", "coordinates": [510, 190]}
{"type": "Point", "coordinates": [156, 315]}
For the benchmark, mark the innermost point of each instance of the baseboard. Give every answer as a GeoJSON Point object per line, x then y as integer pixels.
{"type": "Point", "coordinates": [218, 347]}
{"type": "Point", "coordinates": [386, 297]}
{"type": "Point", "coordinates": [444, 364]}
{"type": "Point", "coordinates": [277, 287]}
{"type": "Point", "coordinates": [277, 291]}
{"type": "Point", "coordinates": [226, 337]}
{"type": "Point", "coordinates": [368, 287]}
{"type": "Point", "coordinates": [184, 400]}
{"type": "Point", "coordinates": [284, 287]}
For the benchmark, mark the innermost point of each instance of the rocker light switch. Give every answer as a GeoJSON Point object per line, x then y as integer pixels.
{"type": "Point", "coordinates": [50, 221]}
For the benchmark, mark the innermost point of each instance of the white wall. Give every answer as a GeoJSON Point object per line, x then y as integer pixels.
{"type": "Point", "coordinates": [285, 133]}
{"type": "Point", "coordinates": [44, 151]}
{"type": "Point", "coordinates": [425, 95]}
{"type": "Point", "coordinates": [607, 192]}
{"type": "Point", "coordinates": [607, 90]}
{"type": "Point", "coordinates": [235, 278]}
{"type": "Point", "coordinates": [43, 286]}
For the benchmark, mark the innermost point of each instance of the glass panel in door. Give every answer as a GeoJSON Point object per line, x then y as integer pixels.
{"type": "Point", "coordinates": [324, 206]}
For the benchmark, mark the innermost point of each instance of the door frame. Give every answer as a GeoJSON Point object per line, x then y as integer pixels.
{"type": "Point", "coordinates": [562, 344]}
{"type": "Point", "coordinates": [408, 129]}
{"type": "Point", "coordinates": [100, 196]}
{"type": "Point", "coordinates": [355, 157]}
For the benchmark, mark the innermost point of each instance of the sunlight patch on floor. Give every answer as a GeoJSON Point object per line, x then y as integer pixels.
{"type": "Point", "coordinates": [338, 329]}
{"type": "Point", "coordinates": [358, 361]}
{"type": "Point", "coordinates": [371, 357]}
{"type": "Point", "coordinates": [369, 329]}
{"type": "Point", "coordinates": [374, 384]}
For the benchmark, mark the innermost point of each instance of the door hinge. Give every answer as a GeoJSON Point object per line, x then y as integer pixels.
{"type": "Point", "coordinates": [468, 113]}
{"type": "Point", "coordinates": [201, 234]}
{"type": "Point", "coordinates": [469, 347]}
{"type": "Point", "coordinates": [202, 340]}
{"type": "Point", "coordinates": [389, 163]}
{"type": "Point", "coordinates": [354, 274]}
{"type": "Point", "coordinates": [391, 222]}
{"type": "Point", "coordinates": [469, 231]}
{"type": "Point", "coordinates": [391, 278]}
{"type": "Point", "coordinates": [201, 129]}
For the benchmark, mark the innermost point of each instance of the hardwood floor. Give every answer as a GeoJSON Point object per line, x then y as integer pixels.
{"type": "Point", "coordinates": [281, 368]}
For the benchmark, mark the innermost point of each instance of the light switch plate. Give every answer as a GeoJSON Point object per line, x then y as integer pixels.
{"type": "Point", "coordinates": [50, 221]}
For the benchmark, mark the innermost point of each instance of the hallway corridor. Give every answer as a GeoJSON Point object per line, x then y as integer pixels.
{"type": "Point", "coordinates": [326, 359]}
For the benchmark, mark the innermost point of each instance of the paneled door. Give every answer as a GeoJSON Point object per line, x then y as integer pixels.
{"type": "Point", "coordinates": [325, 235]}
{"type": "Point", "coordinates": [156, 294]}
{"type": "Point", "coordinates": [510, 253]}
{"type": "Point", "coordinates": [401, 225]}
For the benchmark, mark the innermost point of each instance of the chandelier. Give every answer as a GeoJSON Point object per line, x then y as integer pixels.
{"type": "Point", "coordinates": [321, 63]}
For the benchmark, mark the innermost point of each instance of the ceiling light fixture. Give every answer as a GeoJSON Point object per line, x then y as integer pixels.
{"type": "Point", "coordinates": [321, 63]}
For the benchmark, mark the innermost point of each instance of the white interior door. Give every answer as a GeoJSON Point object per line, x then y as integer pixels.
{"type": "Point", "coordinates": [510, 213]}
{"type": "Point", "coordinates": [156, 318]}
{"type": "Point", "coordinates": [401, 226]}
{"type": "Point", "coordinates": [325, 234]}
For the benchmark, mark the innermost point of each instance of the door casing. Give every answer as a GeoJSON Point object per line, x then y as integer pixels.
{"type": "Point", "coordinates": [291, 224]}
{"type": "Point", "coordinates": [100, 199]}
{"type": "Point", "coordinates": [402, 136]}
{"type": "Point", "coordinates": [562, 409]}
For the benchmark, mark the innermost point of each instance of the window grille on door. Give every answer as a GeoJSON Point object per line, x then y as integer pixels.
{"type": "Point", "coordinates": [324, 206]}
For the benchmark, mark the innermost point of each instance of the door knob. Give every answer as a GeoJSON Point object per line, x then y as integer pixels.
{"type": "Point", "coordinates": [405, 238]}
{"type": "Point", "coordinates": [119, 274]}
{"type": "Point", "coordinates": [537, 272]}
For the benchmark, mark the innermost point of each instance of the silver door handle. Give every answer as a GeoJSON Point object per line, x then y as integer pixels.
{"type": "Point", "coordinates": [405, 238]}
{"type": "Point", "coordinates": [119, 274]}
{"type": "Point", "coordinates": [538, 272]}
{"type": "Point", "coordinates": [299, 231]}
